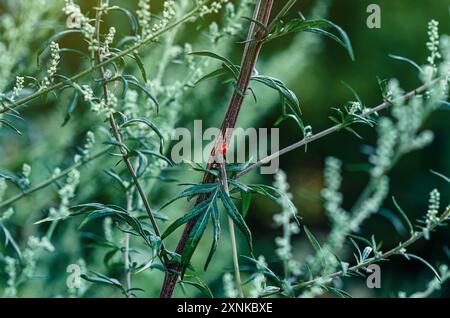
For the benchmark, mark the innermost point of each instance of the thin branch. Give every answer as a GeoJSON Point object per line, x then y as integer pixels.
{"type": "Point", "coordinates": [332, 129]}
{"type": "Point", "coordinates": [281, 14]}
{"type": "Point", "coordinates": [398, 250]}
{"type": "Point", "coordinates": [54, 178]}
{"type": "Point", "coordinates": [256, 36]}
{"type": "Point", "coordinates": [237, 272]}
{"type": "Point", "coordinates": [126, 246]}
{"type": "Point", "coordinates": [118, 137]}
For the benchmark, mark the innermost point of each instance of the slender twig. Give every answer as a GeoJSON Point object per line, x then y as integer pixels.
{"type": "Point", "coordinates": [332, 129]}
{"type": "Point", "coordinates": [118, 137]}
{"type": "Point", "coordinates": [237, 272]}
{"type": "Point", "coordinates": [398, 250]}
{"type": "Point", "coordinates": [54, 178]}
{"type": "Point", "coordinates": [281, 14]}
{"type": "Point", "coordinates": [102, 64]}
{"type": "Point", "coordinates": [256, 36]}
{"type": "Point", "coordinates": [126, 245]}
{"type": "Point", "coordinates": [126, 265]}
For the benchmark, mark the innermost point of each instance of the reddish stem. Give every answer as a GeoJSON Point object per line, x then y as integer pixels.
{"type": "Point", "coordinates": [255, 40]}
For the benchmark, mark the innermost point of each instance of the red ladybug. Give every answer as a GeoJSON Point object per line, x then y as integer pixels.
{"type": "Point", "coordinates": [224, 149]}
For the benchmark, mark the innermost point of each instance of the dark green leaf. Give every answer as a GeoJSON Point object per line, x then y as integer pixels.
{"type": "Point", "coordinates": [194, 238]}
{"type": "Point", "coordinates": [9, 239]}
{"type": "Point", "coordinates": [315, 26]}
{"type": "Point", "coordinates": [403, 214]}
{"type": "Point", "coordinates": [215, 216]}
{"type": "Point", "coordinates": [103, 279]}
{"type": "Point", "coordinates": [141, 66]}
{"type": "Point", "coordinates": [441, 175]}
{"type": "Point", "coordinates": [313, 241]}
{"type": "Point", "coordinates": [246, 201]}
{"type": "Point", "coordinates": [53, 38]}
{"type": "Point", "coordinates": [195, 212]}
{"type": "Point", "coordinates": [407, 255]}
{"type": "Point", "coordinates": [404, 59]}
{"type": "Point", "coordinates": [131, 18]}
{"type": "Point", "coordinates": [237, 218]}
{"type": "Point", "coordinates": [10, 125]}
{"type": "Point", "coordinates": [200, 285]}
{"type": "Point", "coordinates": [191, 192]}
{"type": "Point", "coordinates": [217, 57]}
{"type": "Point", "coordinates": [145, 90]}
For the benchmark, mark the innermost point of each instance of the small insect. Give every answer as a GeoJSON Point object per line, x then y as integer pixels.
{"type": "Point", "coordinates": [224, 149]}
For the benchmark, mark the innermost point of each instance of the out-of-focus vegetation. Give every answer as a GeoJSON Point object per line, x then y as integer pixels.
{"type": "Point", "coordinates": [53, 136]}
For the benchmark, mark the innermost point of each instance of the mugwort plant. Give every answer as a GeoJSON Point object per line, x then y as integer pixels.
{"type": "Point", "coordinates": [114, 84]}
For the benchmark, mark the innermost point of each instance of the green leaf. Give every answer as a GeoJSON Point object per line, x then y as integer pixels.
{"type": "Point", "coordinates": [444, 105]}
{"type": "Point", "coordinates": [351, 130]}
{"type": "Point", "coordinates": [194, 238]}
{"type": "Point", "coordinates": [151, 125]}
{"type": "Point", "coordinates": [267, 271]}
{"type": "Point", "coordinates": [109, 255]}
{"type": "Point", "coordinates": [10, 125]}
{"type": "Point", "coordinates": [214, 74]}
{"type": "Point", "coordinates": [285, 93]}
{"type": "Point", "coordinates": [258, 23]}
{"type": "Point", "coordinates": [339, 292]}
{"type": "Point", "coordinates": [217, 57]}
{"type": "Point", "coordinates": [145, 90]}
{"type": "Point", "coordinates": [53, 39]}
{"type": "Point", "coordinates": [246, 201]}
{"type": "Point", "coordinates": [394, 220]}
{"type": "Point", "coordinates": [200, 285]}
{"type": "Point", "coordinates": [361, 239]}
{"type": "Point", "coordinates": [192, 192]}
{"type": "Point", "coordinates": [71, 108]}
{"type": "Point", "coordinates": [407, 255]}
{"type": "Point", "coordinates": [18, 181]}
{"type": "Point", "coordinates": [315, 244]}
{"type": "Point", "coordinates": [141, 66]}
{"type": "Point", "coordinates": [358, 249]}
{"type": "Point", "coordinates": [142, 164]}
{"type": "Point", "coordinates": [158, 155]}
{"type": "Point", "coordinates": [103, 279]}
{"type": "Point", "coordinates": [116, 177]}
{"type": "Point", "coordinates": [216, 235]}
{"type": "Point", "coordinates": [404, 59]}
{"type": "Point", "coordinates": [240, 185]}
{"type": "Point", "coordinates": [9, 239]}
{"type": "Point", "coordinates": [355, 94]}
{"type": "Point", "coordinates": [195, 212]}
{"type": "Point", "coordinates": [98, 211]}
{"type": "Point", "coordinates": [441, 175]}
{"type": "Point", "coordinates": [403, 214]}
{"type": "Point", "coordinates": [131, 18]}
{"type": "Point", "coordinates": [237, 218]}
{"type": "Point", "coordinates": [315, 26]}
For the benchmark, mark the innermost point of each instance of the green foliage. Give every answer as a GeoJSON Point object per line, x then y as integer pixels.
{"type": "Point", "coordinates": [126, 78]}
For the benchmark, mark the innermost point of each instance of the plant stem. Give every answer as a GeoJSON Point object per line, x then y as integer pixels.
{"type": "Point", "coordinates": [118, 137]}
{"type": "Point", "coordinates": [54, 178]}
{"type": "Point", "coordinates": [256, 36]}
{"type": "Point", "coordinates": [126, 243]}
{"type": "Point", "coordinates": [398, 250]}
{"type": "Point", "coordinates": [281, 14]}
{"type": "Point", "coordinates": [126, 259]}
{"type": "Point", "coordinates": [332, 129]}
{"type": "Point", "coordinates": [237, 272]}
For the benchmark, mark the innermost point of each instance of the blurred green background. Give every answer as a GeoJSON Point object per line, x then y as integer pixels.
{"type": "Point", "coordinates": [313, 68]}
